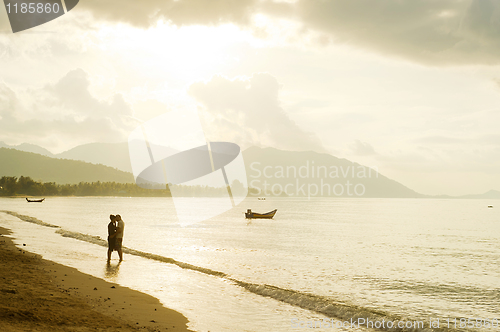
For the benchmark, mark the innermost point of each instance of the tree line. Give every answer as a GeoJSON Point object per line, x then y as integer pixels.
{"type": "Point", "coordinates": [24, 185]}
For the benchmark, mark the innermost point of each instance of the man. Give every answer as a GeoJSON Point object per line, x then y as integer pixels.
{"type": "Point", "coordinates": [111, 236]}
{"type": "Point", "coordinates": [120, 226]}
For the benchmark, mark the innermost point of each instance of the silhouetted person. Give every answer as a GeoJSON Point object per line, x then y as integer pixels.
{"type": "Point", "coordinates": [111, 236]}
{"type": "Point", "coordinates": [120, 227]}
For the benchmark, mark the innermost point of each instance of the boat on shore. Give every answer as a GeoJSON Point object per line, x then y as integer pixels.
{"type": "Point", "coordinates": [35, 200]}
{"type": "Point", "coordinates": [254, 215]}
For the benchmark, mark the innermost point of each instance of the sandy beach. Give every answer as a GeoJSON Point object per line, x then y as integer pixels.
{"type": "Point", "coordinates": [39, 295]}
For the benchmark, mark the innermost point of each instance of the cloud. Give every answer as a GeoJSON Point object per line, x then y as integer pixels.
{"type": "Point", "coordinates": [445, 31]}
{"type": "Point", "coordinates": [247, 111]}
{"type": "Point", "coordinates": [362, 148]}
{"type": "Point", "coordinates": [181, 12]}
{"type": "Point", "coordinates": [72, 91]}
{"type": "Point", "coordinates": [438, 32]}
{"type": "Point", "coordinates": [62, 112]}
{"type": "Point", "coordinates": [439, 140]}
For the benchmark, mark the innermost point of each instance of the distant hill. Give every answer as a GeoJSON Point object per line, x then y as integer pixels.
{"type": "Point", "coordinates": [28, 148]}
{"type": "Point", "coordinates": [315, 174]}
{"type": "Point", "coordinates": [339, 171]}
{"type": "Point", "coordinates": [110, 154]}
{"type": "Point", "coordinates": [373, 185]}
{"type": "Point", "coordinates": [42, 168]}
{"type": "Point", "coordinates": [492, 194]}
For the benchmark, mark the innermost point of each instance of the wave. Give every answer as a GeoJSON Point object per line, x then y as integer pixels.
{"type": "Point", "coordinates": [319, 304]}
{"type": "Point", "coordinates": [99, 241]}
{"type": "Point", "coordinates": [344, 313]}
{"type": "Point", "coordinates": [29, 219]}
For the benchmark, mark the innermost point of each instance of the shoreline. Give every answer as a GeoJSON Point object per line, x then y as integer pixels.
{"type": "Point", "coordinates": [37, 294]}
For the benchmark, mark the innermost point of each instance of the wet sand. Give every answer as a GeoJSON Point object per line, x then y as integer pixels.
{"type": "Point", "coordinates": [39, 295]}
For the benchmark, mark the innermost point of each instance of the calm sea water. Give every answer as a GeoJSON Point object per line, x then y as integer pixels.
{"type": "Point", "coordinates": [405, 259]}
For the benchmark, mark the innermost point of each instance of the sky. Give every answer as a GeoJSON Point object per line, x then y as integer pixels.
{"type": "Point", "coordinates": [409, 87]}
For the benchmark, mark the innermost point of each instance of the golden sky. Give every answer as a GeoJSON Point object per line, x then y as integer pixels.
{"type": "Point", "coordinates": [412, 87]}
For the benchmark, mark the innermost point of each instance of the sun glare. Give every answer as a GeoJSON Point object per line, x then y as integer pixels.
{"type": "Point", "coordinates": [187, 53]}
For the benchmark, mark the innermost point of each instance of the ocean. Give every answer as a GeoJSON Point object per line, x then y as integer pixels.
{"type": "Point", "coordinates": [321, 262]}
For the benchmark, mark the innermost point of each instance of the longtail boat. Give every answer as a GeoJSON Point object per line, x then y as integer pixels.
{"type": "Point", "coordinates": [35, 200]}
{"type": "Point", "coordinates": [254, 215]}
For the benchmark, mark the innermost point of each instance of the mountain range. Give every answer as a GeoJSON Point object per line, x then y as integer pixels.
{"type": "Point", "coordinates": [312, 174]}
{"type": "Point", "coordinates": [289, 173]}
{"type": "Point", "coordinates": [110, 154]}
{"type": "Point", "coordinates": [62, 171]}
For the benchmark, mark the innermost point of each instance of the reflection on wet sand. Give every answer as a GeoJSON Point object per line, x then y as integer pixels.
{"type": "Point", "coordinates": [112, 270]}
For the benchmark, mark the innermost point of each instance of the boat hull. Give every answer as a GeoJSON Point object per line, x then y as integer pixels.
{"type": "Point", "coordinates": [35, 200]}
{"type": "Point", "coordinates": [254, 215]}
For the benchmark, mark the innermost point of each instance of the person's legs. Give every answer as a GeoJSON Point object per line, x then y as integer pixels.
{"type": "Point", "coordinates": [111, 247]}
{"type": "Point", "coordinates": [118, 247]}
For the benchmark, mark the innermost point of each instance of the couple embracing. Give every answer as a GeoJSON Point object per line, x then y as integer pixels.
{"type": "Point", "coordinates": [115, 235]}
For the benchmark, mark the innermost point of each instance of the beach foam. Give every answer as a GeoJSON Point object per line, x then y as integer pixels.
{"type": "Point", "coordinates": [29, 219]}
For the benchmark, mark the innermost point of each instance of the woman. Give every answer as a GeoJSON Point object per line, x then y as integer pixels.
{"type": "Point", "coordinates": [111, 235]}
